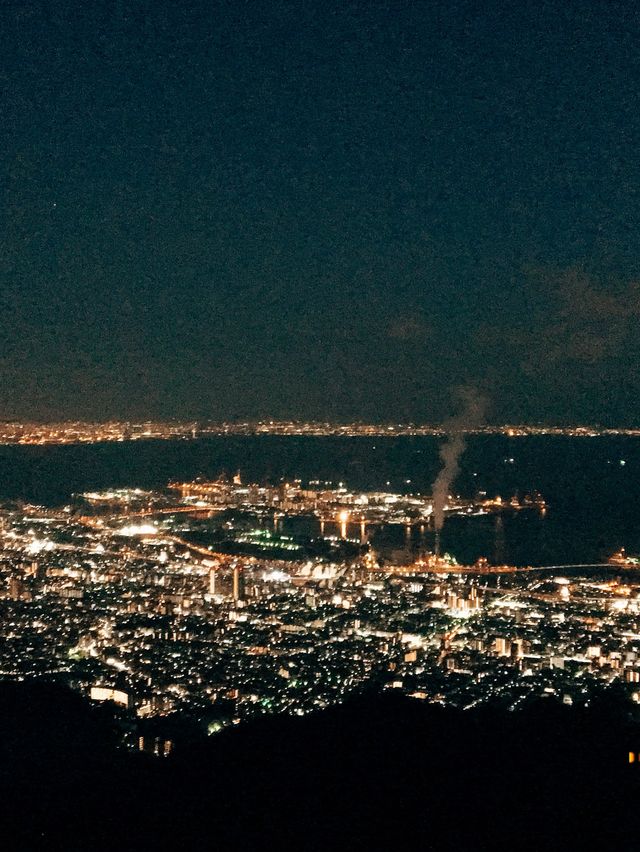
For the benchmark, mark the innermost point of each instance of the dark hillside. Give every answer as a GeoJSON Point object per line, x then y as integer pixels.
{"type": "Point", "coordinates": [372, 774]}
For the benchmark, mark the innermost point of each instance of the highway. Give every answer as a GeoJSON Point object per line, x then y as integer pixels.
{"type": "Point", "coordinates": [491, 569]}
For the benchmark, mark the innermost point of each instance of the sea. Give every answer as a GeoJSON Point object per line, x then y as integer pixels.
{"type": "Point", "coordinates": [591, 484]}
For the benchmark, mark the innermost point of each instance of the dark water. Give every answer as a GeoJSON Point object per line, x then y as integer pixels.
{"type": "Point", "coordinates": [594, 501]}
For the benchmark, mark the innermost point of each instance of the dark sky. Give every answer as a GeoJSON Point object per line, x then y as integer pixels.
{"type": "Point", "coordinates": [319, 209]}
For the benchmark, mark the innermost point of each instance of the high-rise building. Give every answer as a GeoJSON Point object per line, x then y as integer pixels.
{"type": "Point", "coordinates": [502, 647]}
{"type": "Point", "coordinates": [517, 649]}
{"type": "Point", "coordinates": [15, 588]}
{"type": "Point", "coordinates": [238, 584]}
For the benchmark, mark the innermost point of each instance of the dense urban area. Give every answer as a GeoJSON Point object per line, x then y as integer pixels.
{"type": "Point", "coordinates": [79, 432]}
{"type": "Point", "coordinates": [192, 600]}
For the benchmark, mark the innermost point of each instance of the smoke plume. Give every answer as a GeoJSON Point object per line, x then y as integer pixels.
{"type": "Point", "coordinates": [472, 414]}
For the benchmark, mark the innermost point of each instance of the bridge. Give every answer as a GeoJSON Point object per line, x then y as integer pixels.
{"type": "Point", "coordinates": [485, 570]}
{"type": "Point", "coordinates": [100, 520]}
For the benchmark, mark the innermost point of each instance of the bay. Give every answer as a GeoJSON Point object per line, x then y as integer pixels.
{"type": "Point", "coordinates": [591, 485]}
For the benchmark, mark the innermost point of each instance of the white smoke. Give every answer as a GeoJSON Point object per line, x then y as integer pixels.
{"type": "Point", "coordinates": [472, 414]}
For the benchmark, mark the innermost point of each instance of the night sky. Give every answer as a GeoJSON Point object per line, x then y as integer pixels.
{"type": "Point", "coordinates": [319, 209]}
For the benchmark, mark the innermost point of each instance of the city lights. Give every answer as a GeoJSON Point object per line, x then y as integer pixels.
{"type": "Point", "coordinates": [146, 597]}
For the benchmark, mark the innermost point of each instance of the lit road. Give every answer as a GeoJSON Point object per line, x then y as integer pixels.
{"type": "Point", "coordinates": [494, 569]}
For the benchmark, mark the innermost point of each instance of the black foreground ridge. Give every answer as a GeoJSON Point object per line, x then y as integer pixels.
{"type": "Point", "coordinates": [370, 774]}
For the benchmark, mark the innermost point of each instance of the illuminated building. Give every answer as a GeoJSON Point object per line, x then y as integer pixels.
{"type": "Point", "coordinates": [15, 588]}
{"type": "Point", "coordinates": [502, 647]}
{"type": "Point", "coordinates": [105, 693]}
{"type": "Point", "coordinates": [238, 583]}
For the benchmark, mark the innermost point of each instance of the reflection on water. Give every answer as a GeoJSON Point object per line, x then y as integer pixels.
{"type": "Point", "coordinates": [593, 500]}
{"type": "Point", "coordinates": [467, 538]}
{"type": "Point", "coordinates": [523, 538]}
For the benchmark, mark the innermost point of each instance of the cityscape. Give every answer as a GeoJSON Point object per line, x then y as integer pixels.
{"type": "Point", "coordinates": [192, 600]}
{"type": "Point", "coordinates": [80, 432]}
{"type": "Point", "coordinates": [319, 426]}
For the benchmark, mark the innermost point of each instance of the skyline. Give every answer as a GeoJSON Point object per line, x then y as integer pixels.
{"type": "Point", "coordinates": [92, 432]}
{"type": "Point", "coordinates": [319, 424]}
{"type": "Point", "coordinates": [232, 212]}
